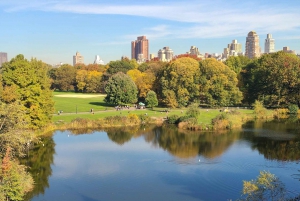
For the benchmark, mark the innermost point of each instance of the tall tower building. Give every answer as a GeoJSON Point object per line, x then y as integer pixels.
{"type": "Point", "coordinates": [269, 44]}
{"type": "Point", "coordinates": [3, 58]}
{"type": "Point", "coordinates": [252, 45]}
{"type": "Point", "coordinates": [78, 58]}
{"type": "Point", "coordinates": [140, 48]}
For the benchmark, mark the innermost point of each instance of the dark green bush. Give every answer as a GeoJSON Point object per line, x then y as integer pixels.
{"type": "Point", "coordinates": [173, 119]}
{"type": "Point", "coordinates": [183, 119]}
{"type": "Point", "coordinates": [293, 109]}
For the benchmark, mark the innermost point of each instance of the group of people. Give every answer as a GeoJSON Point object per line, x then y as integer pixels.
{"type": "Point", "coordinates": [122, 107]}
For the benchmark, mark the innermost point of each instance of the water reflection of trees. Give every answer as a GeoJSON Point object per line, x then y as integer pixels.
{"type": "Point", "coordinates": [119, 136]}
{"type": "Point", "coordinates": [276, 145]}
{"type": "Point", "coordinates": [186, 145]}
{"type": "Point", "coordinates": [276, 141]}
{"type": "Point", "coordinates": [39, 160]}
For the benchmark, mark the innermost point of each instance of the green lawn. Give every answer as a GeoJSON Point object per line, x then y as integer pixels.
{"type": "Point", "coordinates": [70, 102]}
{"type": "Point", "coordinates": [84, 104]}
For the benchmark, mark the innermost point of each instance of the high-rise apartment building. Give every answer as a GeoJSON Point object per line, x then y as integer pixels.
{"type": "Point", "coordinates": [233, 49]}
{"type": "Point", "coordinates": [140, 49]}
{"type": "Point", "coordinates": [77, 59]}
{"type": "Point", "coordinates": [269, 44]}
{"type": "Point", "coordinates": [252, 45]}
{"type": "Point", "coordinates": [3, 58]}
{"type": "Point", "coordinates": [194, 51]}
{"type": "Point", "coordinates": [165, 54]}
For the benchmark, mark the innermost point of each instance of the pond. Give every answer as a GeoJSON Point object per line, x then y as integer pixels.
{"type": "Point", "coordinates": [162, 163]}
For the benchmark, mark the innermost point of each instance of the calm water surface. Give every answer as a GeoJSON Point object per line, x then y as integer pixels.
{"type": "Point", "coordinates": [161, 163]}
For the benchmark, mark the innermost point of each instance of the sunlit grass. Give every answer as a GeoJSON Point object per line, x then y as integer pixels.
{"type": "Point", "coordinates": [76, 107]}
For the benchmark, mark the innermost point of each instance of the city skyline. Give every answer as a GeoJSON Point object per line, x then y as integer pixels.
{"type": "Point", "coordinates": [53, 30]}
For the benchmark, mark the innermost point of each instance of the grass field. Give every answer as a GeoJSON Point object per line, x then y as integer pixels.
{"type": "Point", "coordinates": [78, 105]}
{"type": "Point", "coordinates": [70, 102]}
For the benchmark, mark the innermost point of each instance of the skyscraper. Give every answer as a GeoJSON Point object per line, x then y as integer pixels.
{"type": "Point", "coordinates": [3, 58]}
{"type": "Point", "coordinates": [140, 49]}
{"type": "Point", "coordinates": [269, 44]}
{"type": "Point", "coordinates": [77, 59]}
{"type": "Point", "coordinates": [252, 45]}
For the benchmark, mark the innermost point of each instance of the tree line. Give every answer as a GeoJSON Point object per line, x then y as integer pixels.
{"type": "Point", "coordinates": [272, 79]}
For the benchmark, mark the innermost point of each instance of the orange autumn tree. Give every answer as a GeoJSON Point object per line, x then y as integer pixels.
{"type": "Point", "coordinates": [15, 181]}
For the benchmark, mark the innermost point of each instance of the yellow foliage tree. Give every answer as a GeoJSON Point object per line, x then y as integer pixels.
{"type": "Point", "coordinates": [81, 79]}
{"type": "Point", "coordinates": [144, 81]}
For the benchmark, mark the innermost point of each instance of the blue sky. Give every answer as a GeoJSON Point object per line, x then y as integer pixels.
{"type": "Point", "coordinates": [53, 30]}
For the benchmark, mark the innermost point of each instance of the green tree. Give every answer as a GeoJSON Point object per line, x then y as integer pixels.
{"type": "Point", "coordinates": [181, 77]}
{"type": "Point", "coordinates": [274, 79]}
{"type": "Point", "coordinates": [151, 99]}
{"type": "Point", "coordinates": [119, 66]}
{"type": "Point", "coordinates": [218, 84]}
{"type": "Point", "coordinates": [14, 128]}
{"type": "Point", "coordinates": [32, 87]}
{"type": "Point", "coordinates": [143, 67]}
{"type": "Point", "coordinates": [65, 78]}
{"type": "Point", "coordinates": [120, 90]}
{"type": "Point", "coordinates": [237, 63]}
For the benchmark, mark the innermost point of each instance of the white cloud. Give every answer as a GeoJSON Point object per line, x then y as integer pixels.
{"type": "Point", "coordinates": [197, 20]}
{"type": "Point", "coordinates": [159, 31]}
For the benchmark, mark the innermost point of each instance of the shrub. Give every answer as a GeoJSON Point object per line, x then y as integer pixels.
{"type": "Point", "coordinates": [259, 110]}
{"type": "Point", "coordinates": [133, 119]}
{"type": "Point", "coordinates": [293, 109]}
{"type": "Point", "coordinates": [190, 124]}
{"type": "Point", "coordinates": [193, 110]}
{"type": "Point", "coordinates": [280, 113]}
{"type": "Point", "coordinates": [115, 120]}
{"type": "Point", "coordinates": [183, 119]}
{"type": "Point", "coordinates": [144, 118]}
{"type": "Point", "coordinates": [173, 119]}
{"type": "Point", "coordinates": [221, 122]}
